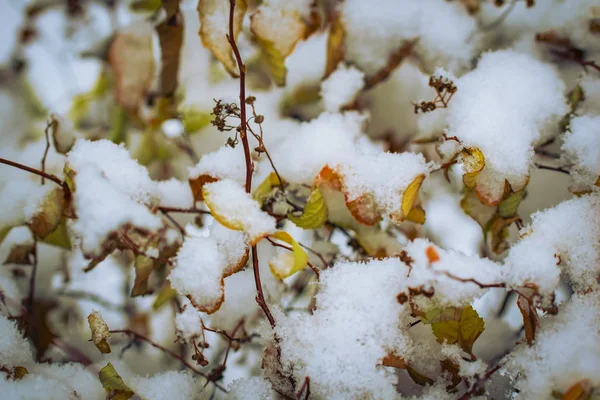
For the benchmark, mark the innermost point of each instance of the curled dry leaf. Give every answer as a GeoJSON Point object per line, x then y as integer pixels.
{"type": "Point", "coordinates": [114, 385]}
{"type": "Point", "coordinates": [473, 162]}
{"type": "Point", "coordinates": [530, 317]}
{"type": "Point", "coordinates": [132, 60]}
{"type": "Point", "coordinates": [277, 29]}
{"type": "Point", "coordinates": [214, 28]}
{"type": "Point", "coordinates": [50, 215]}
{"type": "Point", "coordinates": [285, 265]}
{"type": "Point", "coordinates": [100, 332]}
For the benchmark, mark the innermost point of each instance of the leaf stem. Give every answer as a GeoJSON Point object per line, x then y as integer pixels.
{"type": "Point", "coordinates": [43, 174]}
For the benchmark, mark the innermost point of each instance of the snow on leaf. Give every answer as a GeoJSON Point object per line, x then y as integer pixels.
{"type": "Point", "coordinates": [131, 58]}
{"type": "Point", "coordinates": [235, 209]}
{"type": "Point", "coordinates": [473, 162]}
{"type": "Point", "coordinates": [314, 214]}
{"type": "Point", "coordinates": [202, 264]}
{"type": "Point", "coordinates": [114, 385]}
{"type": "Point", "coordinates": [226, 162]}
{"type": "Point", "coordinates": [284, 266]}
{"type": "Point", "coordinates": [278, 27]}
{"type": "Point", "coordinates": [214, 28]}
{"type": "Point", "coordinates": [100, 332]}
{"type": "Point", "coordinates": [62, 134]}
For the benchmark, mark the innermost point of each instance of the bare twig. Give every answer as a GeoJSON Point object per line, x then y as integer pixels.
{"type": "Point", "coordinates": [182, 210]}
{"type": "Point", "coordinates": [34, 265]}
{"type": "Point", "coordinates": [556, 169]}
{"type": "Point", "coordinates": [50, 124]}
{"type": "Point", "coordinates": [477, 385]}
{"type": "Point", "coordinates": [43, 174]}
{"type": "Point", "coordinates": [172, 354]}
{"type": "Point", "coordinates": [260, 297]}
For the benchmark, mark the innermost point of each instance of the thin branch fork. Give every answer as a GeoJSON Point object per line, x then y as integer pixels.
{"type": "Point", "coordinates": [143, 338]}
{"type": "Point", "coordinates": [260, 297]}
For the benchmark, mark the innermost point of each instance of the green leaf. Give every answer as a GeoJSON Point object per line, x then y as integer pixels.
{"type": "Point", "coordinates": [4, 231]}
{"type": "Point", "coordinates": [509, 206]}
{"type": "Point", "coordinates": [60, 236]}
{"type": "Point", "coordinates": [314, 214]}
{"type": "Point", "coordinates": [454, 325]}
{"type": "Point", "coordinates": [165, 294]}
{"type": "Point", "coordinates": [194, 120]}
{"type": "Point", "coordinates": [265, 187]}
{"type": "Point", "coordinates": [113, 383]}
{"type": "Point", "coordinates": [118, 131]}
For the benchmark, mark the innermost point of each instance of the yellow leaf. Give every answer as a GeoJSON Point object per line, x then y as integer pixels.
{"type": "Point", "coordinates": [277, 32]}
{"type": "Point", "coordinates": [60, 236]}
{"type": "Point", "coordinates": [118, 130]}
{"type": "Point", "coordinates": [194, 120]}
{"type": "Point", "coordinates": [335, 45]}
{"type": "Point", "coordinates": [19, 372]}
{"type": "Point", "coordinates": [143, 267]}
{"type": "Point", "coordinates": [314, 214]}
{"type": "Point", "coordinates": [410, 194]}
{"type": "Point", "coordinates": [113, 383]}
{"type": "Point", "coordinates": [579, 391]}
{"type": "Point", "coordinates": [473, 162]}
{"type": "Point", "coordinates": [214, 28]}
{"type": "Point", "coordinates": [509, 205]}
{"type": "Point", "coordinates": [416, 215]}
{"type": "Point", "coordinates": [265, 187]}
{"type": "Point", "coordinates": [100, 332]}
{"type": "Point", "coordinates": [196, 184]}
{"type": "Point", "coordinates": [50, 215]}
{"type": "Point", "coordinates": [453, 325]}
{"type": "Point", "coordinates": [300, 258]}
{"type": "Point", "coordinates": [165, 294]}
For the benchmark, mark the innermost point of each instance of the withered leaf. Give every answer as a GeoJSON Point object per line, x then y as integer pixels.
{"type": "Point", "coordinates": [49, 217]}
{"type": "Point", "coordinates": [456, 325]}
{"type": "Point", "coordinates": [20, 254]}
{"type": "Point", "coordinates": [530, 317]}
{"type": "Point", "coordinates": [214, 29]}
{"type": "Point", "coordinates": [100, 332]}
{"type": "Point", "coordinates": [143, 267]}
{"type": "Point", "coordinates": [170, 38]}
{"type": "Point", "coordinates": [335, 45]}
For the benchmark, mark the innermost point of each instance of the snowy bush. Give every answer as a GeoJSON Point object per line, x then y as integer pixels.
{"type": "Point", "coordinates": [300, 199]}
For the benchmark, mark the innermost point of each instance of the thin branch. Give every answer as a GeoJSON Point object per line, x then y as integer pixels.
{"type": "Point", "coordinates": [74, 354]}
{"type": "Point", "coordinates": [43, 174]}
{"type": "Point", "coordinates": [260, 297]}
{"type": "Point", "coordinates": [172, 220]}
{"type": "Point", "coordinates": [472, 280]}
{"type": "Point", "coordinates": [316, 253]}
{"type": "Point", "coordinates": [34, 265]}
{"type": "Point", "coordinates": [556, 169]}
{"type": "Point", "coordinates": [49, 124]}
{"type": "Point", "coordinates": [182, 210]}
{"type": "Point", "coordinates": [477, 385]}
{"type": "Point", "coordinates": [305, 385]}
{"type": "Point", "coordinates": [143, 338]}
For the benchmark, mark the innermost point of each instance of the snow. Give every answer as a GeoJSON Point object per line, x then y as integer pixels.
{"type": "Point", "coordinates": [582, 145]}
{"type": "Point", "coordinates": [225, 163]}
{"type": "Point", "coordinates": [569, 233]}
{"type": "Point", "coordinates": [255, 388]}
{"type": "Point", "coordinates": [14, 349]}
{"type": "Point", "coordinates": [505, 106]}
{"type": "Point", "coordinates": [341, 87]}
{"type": "Point", "coordinates": [571, 339]}
{"type": "Point", "coordinates": [21, 200]}
{"type": "Point", "coordinates": [174, 193]}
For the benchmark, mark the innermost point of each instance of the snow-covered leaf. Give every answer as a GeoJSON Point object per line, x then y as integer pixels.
{"type": "Point", "coordinates": [100, 332]}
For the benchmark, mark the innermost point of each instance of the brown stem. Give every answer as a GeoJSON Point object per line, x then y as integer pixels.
{"type": "Point", "coordinates": [43, 174]}
{"type": "Point", "coordinates": [172, 220]}
{"type": "Point", "coordinates": [75, 354]}
{"type": "Point", "coordinates": [143, 338]}
{"type": "Point", "coordinates": [50, 124]}
{"type": "Point", "coordinates": [477, 385]}
{"type": "Point", "coordinates": [471, 280]}
{"type": "Point", "coordinates": [34, 265]}
{"type": "Point", "coordinates": [182, 210]}
{"type": "Point", "coordinates": [305, 385]}
{"type": "Point", "coordinates": [556, 169]}
{"type": "Point", "coordinates": [260, 297]}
